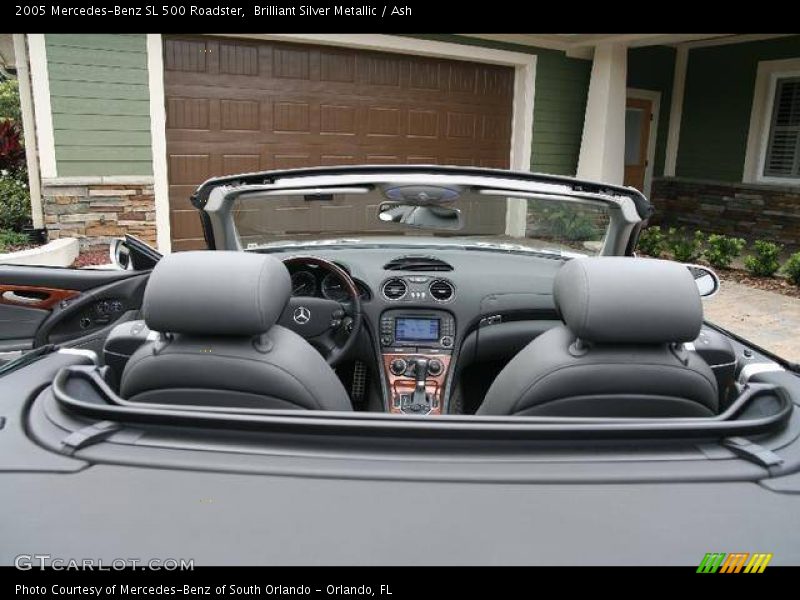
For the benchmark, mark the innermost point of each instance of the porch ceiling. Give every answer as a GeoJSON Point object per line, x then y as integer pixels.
{"type": "Point", "coordinates": [581, 43]}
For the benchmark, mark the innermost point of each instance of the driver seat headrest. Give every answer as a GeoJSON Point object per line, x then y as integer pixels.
{"type": "Point", "coordinates": [216, 293]}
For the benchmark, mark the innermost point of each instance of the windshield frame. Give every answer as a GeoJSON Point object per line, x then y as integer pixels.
{"type": "Point", "coordinates": [215, 198]}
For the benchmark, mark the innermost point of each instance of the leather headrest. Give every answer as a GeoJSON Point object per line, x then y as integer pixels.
{"type": "Point", "coordinates": [216, 293]}
{"type": "Point", "coordinates": [628, 300]}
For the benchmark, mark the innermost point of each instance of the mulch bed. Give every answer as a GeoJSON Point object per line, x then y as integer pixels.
{"type": "Point", "coordinates": [778, 285]}
{"type": "Point", "coordinates": [89, 258]}
{"type": "Point", "coordinates": [17, 248]}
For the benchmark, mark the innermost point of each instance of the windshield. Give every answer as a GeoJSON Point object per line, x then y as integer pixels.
{"type": "Point", "coordinates": [486, 217]}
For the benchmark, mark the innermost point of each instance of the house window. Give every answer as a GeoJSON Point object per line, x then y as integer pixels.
{"type": "Point", "coordinates": [783, 149]}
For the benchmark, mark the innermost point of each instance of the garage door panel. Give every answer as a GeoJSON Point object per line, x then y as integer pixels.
{"type": "Point", "coordinates": [241, 106]}
{"type": "Point", "coordinates": [187, 222]}
{"type": "Point", "coordinates": [185, 55]}
{"type": "Point", "coordinates": [189, 168]}
{"type": "Point", "coordinates": [337, 66]}
{"type": "Point", "coordinates": [187, 113]}
{"type": "Point", "coordinates": [179, 197]}
{"type": "Point", "coordinates": [236, 58]}
{"type": "Point", "coordinates": [184, 244]}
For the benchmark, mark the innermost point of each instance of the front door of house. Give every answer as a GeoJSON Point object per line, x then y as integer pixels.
{"type": "Point", "coordinates": [638, 115]}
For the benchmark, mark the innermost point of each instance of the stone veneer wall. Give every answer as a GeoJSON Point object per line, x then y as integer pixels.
{"type": "Point", "coordinates": [752, 211]}
{"type": "Point", "coordinates": [98, 213]}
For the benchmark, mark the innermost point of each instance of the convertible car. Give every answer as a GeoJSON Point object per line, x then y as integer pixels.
{"type": "Point", "coordinates": [392, 365]}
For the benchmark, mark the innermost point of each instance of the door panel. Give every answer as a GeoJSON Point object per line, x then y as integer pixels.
{"type": "Point", "coordinates": [40, 305]}
{"type": "Point", "coordinates": [638, 114]}
{"type": "Point", "coordinates": [18, 325]}
{"type": "Point", "coordinates": [59, 277]}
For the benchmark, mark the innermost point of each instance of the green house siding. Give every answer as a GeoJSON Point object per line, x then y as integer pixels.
{"type": "Point", "coordinates": [720, 81]}
{"type": "Point", "coordinates": [559, 106]}
{"type": "Point", "coordinates": [100, 103]}
{"type": "Point", "coordinates": [653, 68]}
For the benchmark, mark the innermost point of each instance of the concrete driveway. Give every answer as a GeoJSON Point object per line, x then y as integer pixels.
{"type": "Point", "coordinates": [768, 319]}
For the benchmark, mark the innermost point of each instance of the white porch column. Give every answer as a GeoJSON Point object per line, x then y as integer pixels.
{"type": "Point", "coordinates": [602, 156]}
{"type": "Point", "coordinates": [29, 129]}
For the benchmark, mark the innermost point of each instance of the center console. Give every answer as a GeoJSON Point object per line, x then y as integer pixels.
{"type": "Point", "coordinates": [416, 350]}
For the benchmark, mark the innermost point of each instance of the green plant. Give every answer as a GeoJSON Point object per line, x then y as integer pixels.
{"type": "Point", "coordinates": [569, 224]}
{"type": "Point", "coordinates": [792, 268]}
{"type": "Point", "coordinates": [685, 248]}
{"type": "Point", "coordinates": [652, 242]}
{"type": "Point", "coordinates": [11, 239]}
{"type": "Point", "coordinates": [764, 263]}
{"type": "Point", "coordinates": [722, 250]}
{"type": "Point", "coordinates": [9, 101]}
{"type": "Point", "coordinates": [15, 203]}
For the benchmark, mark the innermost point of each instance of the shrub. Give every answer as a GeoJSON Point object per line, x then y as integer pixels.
{"type": "Point", "coordinates": [685, 248]}
{"type": "Point", "coordinates": [792, 268]}
{"type": "Point", "coordinates": [571, 225]}
{"type": "Point", "coordinates": [652, 242]}
{"type": "Point", "coordinates": [722, 250]}
{"type": "Point", "coordinates": [11, 239]}
{"type": "Point", "coordinates": [15, 204]}
{"type": "Point", "coordinates": [764, 263]}
{"type": "Point", "coordinates": [12, 153]}
{"type": "Point", "coordinates": [9, 101]}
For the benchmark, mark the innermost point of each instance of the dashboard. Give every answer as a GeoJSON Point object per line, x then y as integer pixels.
{"type": "Point", "coordinates": [431, 312]}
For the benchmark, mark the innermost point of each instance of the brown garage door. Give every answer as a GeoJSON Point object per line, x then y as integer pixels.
{"type": "Point", "coordinates": [235, 106]}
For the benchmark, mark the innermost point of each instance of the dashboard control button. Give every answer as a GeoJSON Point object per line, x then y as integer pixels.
{"type": "Point", "coordinates": [434, 366]}
{"type": "Point", "coordinates": [398, 366]}
{"type": "Point", "coordinates": [447, 341]}
{"type": "Point", "coordinates": [386, 340]}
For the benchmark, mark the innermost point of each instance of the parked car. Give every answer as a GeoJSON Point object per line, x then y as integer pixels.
{"type": "Point", "coordinates": [393, 365]}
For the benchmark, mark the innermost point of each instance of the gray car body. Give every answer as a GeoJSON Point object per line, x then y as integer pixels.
{"type": "Point", "coordinates": [372, 495]}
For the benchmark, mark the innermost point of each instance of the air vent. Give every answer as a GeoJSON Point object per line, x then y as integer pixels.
{"type": "Point", "coordinates": [417, 263]}
{"type": "Point", "coordinates": [394, 289]}
{"type": "Point", "coordinates": [442, 290]}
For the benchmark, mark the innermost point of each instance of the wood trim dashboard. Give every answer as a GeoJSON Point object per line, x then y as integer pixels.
{"type": "Point", "coordinates": [43, 298]}
{"type": "Point", "coordinates": [398, 384]}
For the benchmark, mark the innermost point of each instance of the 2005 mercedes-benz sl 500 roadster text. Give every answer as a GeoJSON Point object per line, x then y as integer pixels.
{"type": "Point", "coordinates": [393, 365]}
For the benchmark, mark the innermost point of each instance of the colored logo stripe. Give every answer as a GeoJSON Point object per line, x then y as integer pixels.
{"type": "Point", "coordinates": [733, 563]}
{"type": "Point", "coordinates": [758, 563]}
{"type": "Point", "coordinates": [711, 562]}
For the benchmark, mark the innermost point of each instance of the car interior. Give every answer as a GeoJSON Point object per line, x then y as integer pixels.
{"type": "Point", "coordinates": [393, 326]}
{"type": "Point", "coordinates": [223, 329]}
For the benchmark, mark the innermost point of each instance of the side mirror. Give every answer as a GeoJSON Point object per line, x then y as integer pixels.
{"type": "Point", "coordinates": [706, 280]}
{"type": "Point", "coordinates": [120, 255]}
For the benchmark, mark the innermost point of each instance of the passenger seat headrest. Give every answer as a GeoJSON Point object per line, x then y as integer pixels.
{"type": "Point", "coordinates": [623, 300]}
{"type": "Point", "coordinates": [216, 293]}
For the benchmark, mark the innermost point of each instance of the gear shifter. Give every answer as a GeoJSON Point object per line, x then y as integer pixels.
{"type": "Point", "coordinates": [419, 401]}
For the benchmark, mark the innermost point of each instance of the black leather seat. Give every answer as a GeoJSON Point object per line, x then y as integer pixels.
{"type": "Point", "coordinates": [219, 343]}
{"type": "Point", "coordinates": [621, 351]}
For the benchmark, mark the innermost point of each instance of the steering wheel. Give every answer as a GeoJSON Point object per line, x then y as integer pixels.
{"type": "Point", "coordinates": [330, 326]}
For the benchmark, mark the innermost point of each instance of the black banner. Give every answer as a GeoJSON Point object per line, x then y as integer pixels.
{"type": "Point", "coordinates": [387, 583]}
{"type": "Point", "coordinates": [251, 16]}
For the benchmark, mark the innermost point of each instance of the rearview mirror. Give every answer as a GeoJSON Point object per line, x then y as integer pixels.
{"type": "Point", "coordinates": [417, 215]}
{"type": "Point", "coordinates": [706, 280]}
{"type": "Point", "coordinates": [120, 255]}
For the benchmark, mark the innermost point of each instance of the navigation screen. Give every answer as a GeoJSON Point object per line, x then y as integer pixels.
{"type": "Point", "coordinates": [416, 330]}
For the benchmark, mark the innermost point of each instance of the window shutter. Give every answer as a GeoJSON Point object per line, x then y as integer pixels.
{"type": "Point", "coordinates": [783, 152]}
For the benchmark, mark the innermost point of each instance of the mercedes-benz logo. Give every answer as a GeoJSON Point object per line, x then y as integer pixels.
{"type": "Point", "coordinates": [302, 315]}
